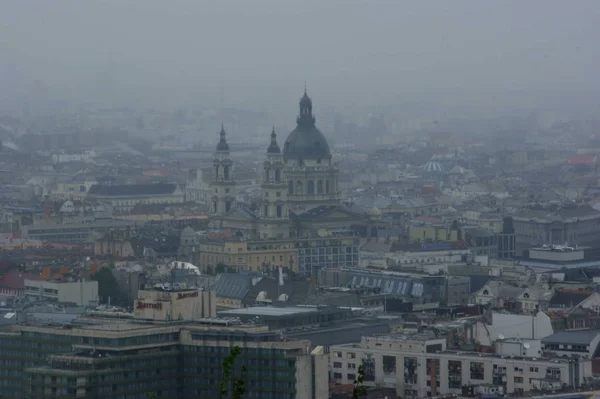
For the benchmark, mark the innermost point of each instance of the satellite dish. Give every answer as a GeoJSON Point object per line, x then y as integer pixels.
{"type": "Point", "coordinates": [500, 336]}
{"type": "Point", "coordinates": [526, 345]}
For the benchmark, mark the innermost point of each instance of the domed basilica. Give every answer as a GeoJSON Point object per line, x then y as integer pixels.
{"type": "Point", "coordinates": [300, 193]}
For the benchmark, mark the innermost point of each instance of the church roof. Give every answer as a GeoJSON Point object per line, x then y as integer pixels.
{"type": "Point", "coordinates": [273, 147]}
{"type": "Point", "coordinates": [433, 167]}
{"type": "Point", "coordinates": [306, 141]}
{"type": "Point", "coordinates": [243, 211]}
{"type": "Point", "coordinates": [222, 146]}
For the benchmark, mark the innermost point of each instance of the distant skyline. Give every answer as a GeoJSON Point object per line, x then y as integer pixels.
{"type": "Point", "coordinates": [258, 54]}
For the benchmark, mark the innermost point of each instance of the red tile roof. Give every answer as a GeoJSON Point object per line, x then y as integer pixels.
{"type": "Point", "coordinates": [15, 279]}
{"type": "Point", "coordinates": [581, 160]}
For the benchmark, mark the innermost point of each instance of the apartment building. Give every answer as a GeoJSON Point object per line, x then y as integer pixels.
{"type": "Point", "coordinates": [420, 366]}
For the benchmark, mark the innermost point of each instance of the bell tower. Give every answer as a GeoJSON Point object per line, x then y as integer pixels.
{"type": "Point", "coordinates": [274, 212]}
{"type": "Point", "coordinates": [223, 183]}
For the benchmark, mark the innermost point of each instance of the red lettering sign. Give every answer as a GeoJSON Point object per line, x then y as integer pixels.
{"type": "Point", "coordinates": [146, 305]}
{"type": "Point", "coordinates": [183, 295]}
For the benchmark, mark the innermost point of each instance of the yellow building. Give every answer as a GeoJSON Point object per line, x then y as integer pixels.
{"type": "Point", "coordinates": [248, 255]}
{"type": "Point", "coordinates": [428, 232]}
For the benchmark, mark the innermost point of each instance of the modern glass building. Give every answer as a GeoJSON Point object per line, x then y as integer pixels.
{"type": "Point", "coordinates": [129, 360]}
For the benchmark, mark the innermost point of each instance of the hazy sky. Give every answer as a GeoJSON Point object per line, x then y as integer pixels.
{"type": "Point", "coordinates": [262, 51]}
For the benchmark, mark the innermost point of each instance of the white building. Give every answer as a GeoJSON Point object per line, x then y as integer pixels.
{"type": "Point", "coordinates": [81, 293]}
{"type": "Point", "coordinates": [196, 189]}
{"type": "Point", "coordinates": [86, 156]}
{"type": "Point", "coordinates": [421, 366]}
{"type": "Point", "coordinates": [511, 326]}
{"type": "Point", "coordinates": [186, 304]}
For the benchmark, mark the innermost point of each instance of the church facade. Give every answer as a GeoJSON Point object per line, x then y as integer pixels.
{"type": "Point", "coordinates": [299, 190]}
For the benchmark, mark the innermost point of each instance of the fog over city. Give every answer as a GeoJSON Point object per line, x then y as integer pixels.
{"type": "Point", "coordinates": [278, 199]}
{"type": "Point", "coordinates": [467, 53]}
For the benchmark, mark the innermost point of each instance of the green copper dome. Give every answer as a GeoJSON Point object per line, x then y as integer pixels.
{"type": "Point", "coordinates": [306, 141]}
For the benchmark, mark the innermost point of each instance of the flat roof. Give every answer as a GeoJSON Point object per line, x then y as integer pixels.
{"type": "Point", "coordinates": [269, 311]}
{"type": "Point", "coordinates": [118, 326]}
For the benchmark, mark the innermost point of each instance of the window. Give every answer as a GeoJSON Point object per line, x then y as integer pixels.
{"type": "Point", "coordinates": [337, 354]}
{"type": "Point", "coordinates": [326, 186]}
{"type": "Point", "coordinates": [337, 376]}
{"type": "Point", "coordinates": [277, 175]}
{"type": "Point", "coordinates": [279, 211]}
{"type": "Point", "coordinates": [351, 355]}
{"type": "Point", "coordinates": [518, 380]}
{"type": "Point", "coordinates": [351, 377]}
{"type": "Point", "coordinates": [320, 187]}
{"type": "Point", "coordinates": [337, 365]}
{"type": "Point", "coordinates": [311, 187]}
{"type": "Point", "coordinates": [486, 292]}
{"type": "Point", "coordinates": [291, 187]}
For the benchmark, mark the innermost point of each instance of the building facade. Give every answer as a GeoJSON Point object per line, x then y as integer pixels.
{"type": "Point", "coordinates": [574, 225]}
{"type": "Point", "coordinates": [81, 293]}
{"type": "Point", "coordinates": [124, 198]}
{"type": "Point", "coordinates": [186, 304]}
{"type": "Point", "coordinates": [172, 360]}
{"type": "Point", "coordinates": [421, 366]}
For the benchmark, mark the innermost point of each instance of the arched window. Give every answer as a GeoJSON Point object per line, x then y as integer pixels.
{"type": "Point", "coordinates": [291, 187]}
{"type": "Point", "coordinates": [279, 211]}
{"type": "Point", "coordinates": [215, 206]}
{"type": "Point", "coordinates": [227, 206]}
{"type": "Point", "coordinates": [226, 172]}
{"type": "Point", "coordinates": [277, 175]}
{"type": "Point", "coordinates": [486, 292]}
{"type": "Point", "coordinates": [320, 187]}
{"type": "Point", "coordinates": [265, 211]}
{"type": "Point", "coordinates": [267, 174]}
{"type": "Point", "coordinates": [299, 187]}
{"type": "Point", "coordinates": [327, 186]}
{"type": "Point", "coordinates": [216, 172]}
{"type": "Point", "coordinates": [311, 187]}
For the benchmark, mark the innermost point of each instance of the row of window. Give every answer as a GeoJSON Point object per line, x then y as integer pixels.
{"type": "Point", "coordinates": [298, 187]}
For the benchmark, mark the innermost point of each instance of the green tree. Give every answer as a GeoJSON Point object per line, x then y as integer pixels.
{"type": "Point", "coordinates": [237, 385]}
{"type": "Point", "coordinates": [221, 268]}
{"type": "Point", "coordinates": [108, 287]}
{"type": "Point", "coordinates": [359, 389]}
